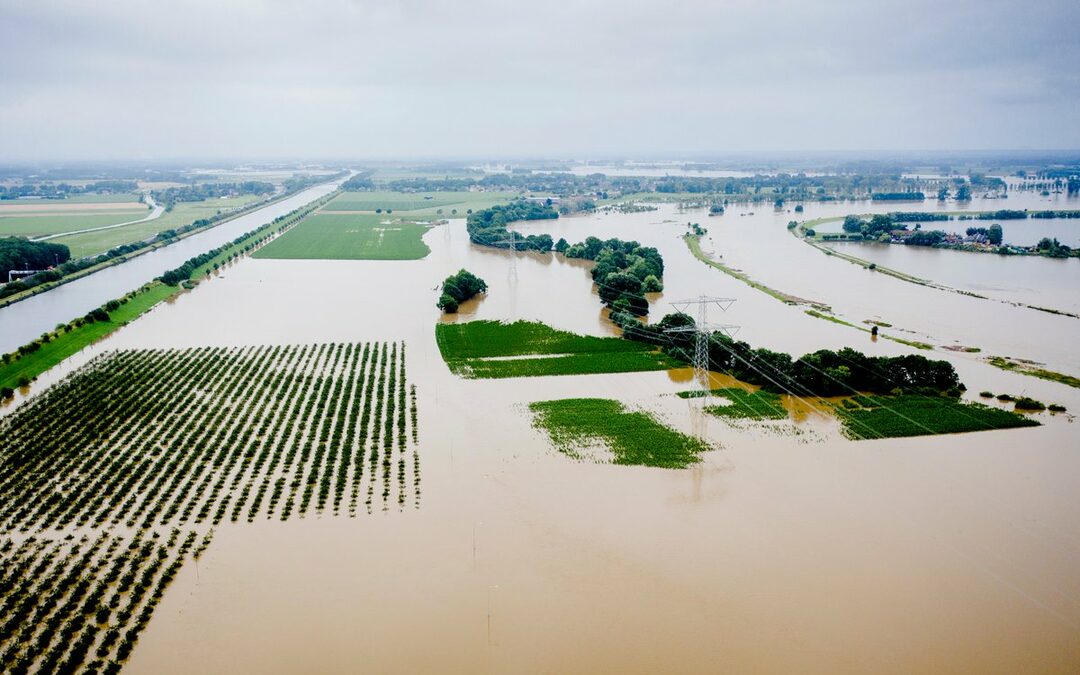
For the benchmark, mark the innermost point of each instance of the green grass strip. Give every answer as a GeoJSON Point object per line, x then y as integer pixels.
{"type": "Point", "coordinates": [1033, 370]}
{"type": "Point", "coordinates": [632, 437]}
{"type": "Point", "coordinates": [56, 350]}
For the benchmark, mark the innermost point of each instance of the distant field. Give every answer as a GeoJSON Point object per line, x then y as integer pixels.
{"type": "Point", "coordinates": [326, 236]}
{"type": "Point", "coordinates": [39, 225]}
{"type": "Point", "coordinates": [92, 243]}
{"type": "Point", "coordinates": [419, 203]}
{"type": "Point", "coordinates": [479, 350]}
{"type": "Point", "coordinates": [78, 199]}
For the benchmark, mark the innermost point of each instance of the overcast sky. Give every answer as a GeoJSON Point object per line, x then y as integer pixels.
{"type": "Point", "coordinates": [113, 79]}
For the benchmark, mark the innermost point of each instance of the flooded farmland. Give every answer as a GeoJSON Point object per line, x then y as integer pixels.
{"type": "Point", "coordinates": [780, 551]}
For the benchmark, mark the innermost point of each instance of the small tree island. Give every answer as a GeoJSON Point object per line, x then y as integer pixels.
{"type": "Point", "coordinates": [457, 288]}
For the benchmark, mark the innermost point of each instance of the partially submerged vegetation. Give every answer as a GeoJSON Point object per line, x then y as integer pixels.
{"type": "Point", "coordinates": [1033, 369]}
{"type": "Point", "coordinates": [492, 349]}
{"type": "Point", "coordinates": [80, 604]}
{"type": "Point", "coordinates": [870, 417]}
{"type": "Point", "coordinates": [489, 226]}
{"type": "Point", "coordinates": [457, 288]}
{"type": "Point", "coordinates": [154, 440]}
{"type": "Point", "coordinates": [632, 437]}
{"type": "Point", "coordinates": [624, 272]}
{"type": "Point", "coordinates": [744, 404]}
{"type": "Point", "coordinates": [164, 437]}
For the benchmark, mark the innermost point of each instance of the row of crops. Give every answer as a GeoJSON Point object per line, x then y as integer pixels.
{"type": "Point", "coordinates": [74, 605]}
{"type": "Point", "coordinates": [98, 472]}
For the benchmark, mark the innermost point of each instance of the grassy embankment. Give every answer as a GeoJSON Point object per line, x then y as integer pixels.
{"type": "Point", "coordinates": [631, 437]}
{"type": "Point", "coordinates": [693, 242]}
{"type": "Point", "coordinates": [65, 342]}
{"type": "Point", "coordinates": [328, 236]}
{"type": "Point", "coordinates": [819, 310]}
{"type": "Point", "coordinates": [491, 349]}
{"type": "Point", "coordinates": [1028, 368]}
{"type": "Point", "coordinates": [871, 417]}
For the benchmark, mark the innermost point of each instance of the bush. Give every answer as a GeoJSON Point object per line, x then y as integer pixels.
{"type": "Point", "coordinates": [1004, 397]}
{"type": "Point", "coordinates": [1056, 407]}
{"type": "Point", "coordinates": [986, 394]}
{"type": "Point", "coordinates": [6, 393]}
{"type": "Point", "coordinates": [1028, 403]}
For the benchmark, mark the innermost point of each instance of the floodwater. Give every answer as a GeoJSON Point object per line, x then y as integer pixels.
{"type": "Point", "coordinates": [26, 320]}
{"type": "Point", "coordinates": [781, 551]}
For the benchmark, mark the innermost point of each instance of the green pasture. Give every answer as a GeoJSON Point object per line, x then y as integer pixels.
{"type": "Point", "coordinates": [327, 236]}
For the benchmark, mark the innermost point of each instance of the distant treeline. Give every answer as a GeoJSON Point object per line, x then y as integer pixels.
{"type": "Point", "coordinates": [297, 183]}
{"type": "Point", "coordinates": [788, 186]}
{"type": "Point", "coordinates": [917, 216]}
{"type": "Point", "coordinates": [360, 182]}
{"type": "Point", "coordinates": [63, 190]}
{"type": "Point", "coordinates": [822, 373]}
{"type": "Point", "coordinates": [204, 191]}
{"type": "Point", "coordinates": [898, 196]}
{"type": "Point", "coordinates": [17, 253]}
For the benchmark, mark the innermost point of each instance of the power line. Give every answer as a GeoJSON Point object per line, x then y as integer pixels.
{"type": "Point", "coordinates": [702, 331]}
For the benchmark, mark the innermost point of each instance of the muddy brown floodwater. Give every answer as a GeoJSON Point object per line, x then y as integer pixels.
{"type": "Point", "coordinates": [782, 551]}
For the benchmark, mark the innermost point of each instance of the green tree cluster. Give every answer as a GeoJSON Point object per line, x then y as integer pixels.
{"type": "Point", "coordinates": [625, 271]}
{"type": "Point", "coordinates": [488, 226]}
{"type": "Point", "coordinates": [457, 288]}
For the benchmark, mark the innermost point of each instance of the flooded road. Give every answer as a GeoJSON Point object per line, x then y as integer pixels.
{"type": "Point", "coordinates": [26, 320]}
{"type": "Point", "coordinates": [779, 552]}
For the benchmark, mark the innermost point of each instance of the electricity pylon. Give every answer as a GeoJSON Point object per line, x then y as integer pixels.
{"type": "Point", "coordinates": [702, 330]}
{"type": "Point", "coordinates": [513, 255]}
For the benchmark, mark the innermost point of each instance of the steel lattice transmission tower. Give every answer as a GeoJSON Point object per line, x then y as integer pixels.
{"type": "Point", "coordinates": [513, 255]}
{"type": "Point", "coordinates": [702, 330]}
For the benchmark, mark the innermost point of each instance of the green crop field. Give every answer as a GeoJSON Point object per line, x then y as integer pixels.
{"type": "Point", "coordinates": [328, 236]}
{"type": "Point", "coordinates": [869, 417]}
{"type": "Point", "coordinates": [490, 349]}
{"type": "Point", "coordinates": [158, 447]}
{"type": "Point", "coordinates": [748, 405]}
{"type": "Point", "coordinates": [419, 203]}
{"type": "Point", "coordinates": [632, 437]}
{"type": "Point", "coordinates": [184, 213]}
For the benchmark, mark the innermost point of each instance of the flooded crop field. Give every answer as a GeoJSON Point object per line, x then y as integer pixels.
{"type": "Point", "coordinates": [783, 545]}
